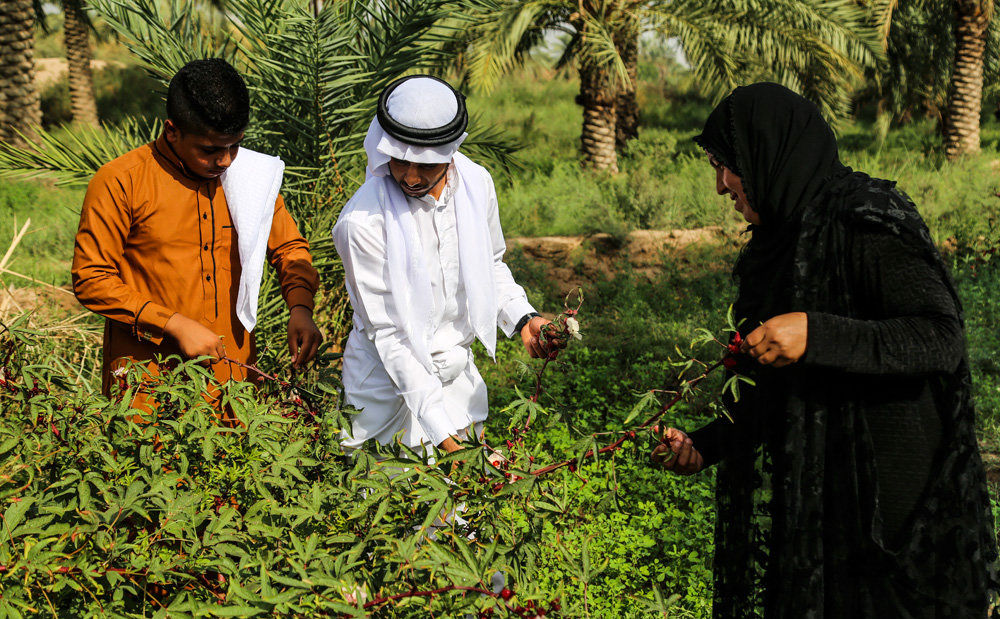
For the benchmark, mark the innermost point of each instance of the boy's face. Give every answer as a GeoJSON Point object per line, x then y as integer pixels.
{"type": "Point", "coordinates": [418, 179]}
{"type": "Point", "coordinates": [206, 155]}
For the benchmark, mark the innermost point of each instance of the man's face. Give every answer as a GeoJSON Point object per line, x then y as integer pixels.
{"type": "Point", "coordinates": [204, 154]}
{"type": "Point", "coordinates": [418, 179]}
{"type": "Point", "coordinates": [726, 182]}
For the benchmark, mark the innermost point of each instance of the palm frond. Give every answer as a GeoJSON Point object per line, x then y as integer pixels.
{"type": "Point", "coordinates": [499, 33]}
{"type": "Point", "coordinates": [71, 157]}
{"type": "Point", "coordinates": [164, 35]}
{"type": "Point", "coordinates": [819, 47]}
{"type": "Point", "coordinates": [598, 48]}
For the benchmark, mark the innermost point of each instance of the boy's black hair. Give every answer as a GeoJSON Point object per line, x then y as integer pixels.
{"type": "Point", "coordinates": [208, 94]}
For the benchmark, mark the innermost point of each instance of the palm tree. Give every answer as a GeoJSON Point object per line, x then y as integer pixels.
{"type": "Point", "coordinates": [961, 124]}
{"type": "Point", "coordinates": [314, 82]}
{"type": "Point", "coordinates": [627, 105]}
{"type": "Point", "coordinates": [818, 47]}
{"type": "Point", "coordinates": [19, 103]}
{"type": "Point", "coordinates": [76, 34]}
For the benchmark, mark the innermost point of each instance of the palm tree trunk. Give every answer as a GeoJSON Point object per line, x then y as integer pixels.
{"type": "Point", "coordinates": [597, 139]}
{"type": "Point", "coordinates": [961, 122]}
{"type": "Point", "coordinates": [627, 122]}
{"type": "Point", "coordinates": [78, 56]}
{"type": "Point", "coordinates": [19, 103]}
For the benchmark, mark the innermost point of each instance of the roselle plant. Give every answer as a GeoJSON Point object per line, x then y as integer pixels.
{"type": "Point", "coordinates": [111, 510]}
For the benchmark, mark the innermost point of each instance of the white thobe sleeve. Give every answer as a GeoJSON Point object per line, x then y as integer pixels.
{"type": "Point", "coordinates": [362, 250]}
{"type": "Point", "coordinates": [512, 302]}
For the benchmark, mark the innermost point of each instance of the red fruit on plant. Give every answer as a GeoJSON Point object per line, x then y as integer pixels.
{"type": "Point", "coordinates": [506, 593]}
{"type": "Point", "coordinates": [572, 468]}
{"type": "Point", "coordinates": [735, 344]}
{"type": "Point", "coordinates": [730, 362]}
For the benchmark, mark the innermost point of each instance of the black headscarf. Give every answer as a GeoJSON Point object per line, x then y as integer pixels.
{"type": "Point", "coordinates": [785, 153]}
{"type": "Point", "coordinates": [806, 501]}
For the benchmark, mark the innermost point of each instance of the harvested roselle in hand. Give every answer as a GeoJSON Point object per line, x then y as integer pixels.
{"type": "Point", "coordinates": [735, 343]}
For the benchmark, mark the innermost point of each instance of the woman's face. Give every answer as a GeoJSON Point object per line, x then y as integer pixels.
{"type": "Point", "coordinates": [727, 182]}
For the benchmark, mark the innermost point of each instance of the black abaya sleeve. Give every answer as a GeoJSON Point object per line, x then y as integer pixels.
{"type": "Point", "coordinates": [914, 327]}
{"type": "Point", "coordinates": [710, 438]}
{"type": "Point", "coordinates": [720, 435]}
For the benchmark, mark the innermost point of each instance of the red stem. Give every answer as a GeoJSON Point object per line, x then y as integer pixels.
{"type": "Point", "coordinates": [256, 369]}
{"type": "Point", "coordinates": [538, 379]}
{"type": "Point", "coordinates": [411, 594]}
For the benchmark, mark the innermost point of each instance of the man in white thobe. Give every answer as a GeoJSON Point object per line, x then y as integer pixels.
{"type": "Point", "coordinates": [423, 252]}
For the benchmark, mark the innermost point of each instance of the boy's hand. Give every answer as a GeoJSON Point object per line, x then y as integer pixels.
{"type": "Point", "coordinates": [304, 337]}
{"type": "Point", "coordinates": [193, 338]}
{"type": "Point", "coordinates": [530, 335]}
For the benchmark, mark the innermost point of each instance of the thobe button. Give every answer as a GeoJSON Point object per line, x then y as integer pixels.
{"type": "Point", "coordinates": [208, 277]}
{"type": "Point", "coordinates": [204, 215]}
{"type": "Point", "coordinates": [206, 246]}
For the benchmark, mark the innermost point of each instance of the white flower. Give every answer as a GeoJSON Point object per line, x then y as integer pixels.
{"type": "Point", "coordinates": [119, 372]}
{"type": "Point", "coordinates": [573, 327]}
{"type": "Point", "coordinates": [359, 595]}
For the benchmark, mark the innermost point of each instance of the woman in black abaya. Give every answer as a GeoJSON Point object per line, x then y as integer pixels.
{"type": "Point", "coordinates": [850, 482]}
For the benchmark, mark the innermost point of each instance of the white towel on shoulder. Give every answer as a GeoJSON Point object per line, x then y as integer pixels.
{"type": "Point", "coordinates": [251, 186]}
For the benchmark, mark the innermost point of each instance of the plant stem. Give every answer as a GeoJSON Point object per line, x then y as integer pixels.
{"type": "Point", "coordinates": [614, 446]}
{"type": "Point", "coordinates": [410, 594]}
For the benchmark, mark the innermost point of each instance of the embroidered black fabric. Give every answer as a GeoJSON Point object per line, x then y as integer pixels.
{"type": "Point", "coordinates": [803, 527]}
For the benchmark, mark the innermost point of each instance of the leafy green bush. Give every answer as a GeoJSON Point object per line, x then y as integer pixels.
{"type": "Point", "coordinates": [110, 510]}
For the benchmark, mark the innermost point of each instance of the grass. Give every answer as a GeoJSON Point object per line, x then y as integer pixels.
{"type": "Point", "coordinates": [46, 251]}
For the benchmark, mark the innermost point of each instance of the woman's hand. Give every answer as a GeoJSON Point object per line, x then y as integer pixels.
{"type": "Point", "coordinates": [780, 341]}
{"type": "Point", "coordinates": [676, 452]}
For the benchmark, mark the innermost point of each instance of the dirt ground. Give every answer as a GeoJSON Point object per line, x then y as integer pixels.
{"type": "Point", "coordinates": [49, 70]}
{"type": "Point", "coordinates": [573, 261]}
{"type": "Point", "coordinates": [57, 303]}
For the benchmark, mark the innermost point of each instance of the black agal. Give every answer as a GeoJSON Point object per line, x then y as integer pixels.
{"type": "Point", "coordinates": [422, 137]}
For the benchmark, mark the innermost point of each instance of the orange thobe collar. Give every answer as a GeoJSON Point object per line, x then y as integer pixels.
{"type": "Point", "coordinates": [173, 164]}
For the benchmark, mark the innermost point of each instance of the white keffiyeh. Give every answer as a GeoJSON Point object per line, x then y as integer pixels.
{"type": "Point", "coordinates": [251, 185]}
{"type": "Point", "coordinates": [407, 272]}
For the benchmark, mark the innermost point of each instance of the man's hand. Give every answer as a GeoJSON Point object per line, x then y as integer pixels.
{"type": "Point", "coordinates": [780, 341]}
{"type": "Point", "coordinates": [531, 336]}
{"type": "Point", "coordinates": [676, 452]}
{"type": "Point", "coordinates": [193, 338]}
{"type": "Point", "coordinates": [304, 337]}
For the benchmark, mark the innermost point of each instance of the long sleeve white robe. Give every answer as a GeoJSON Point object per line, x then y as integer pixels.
{"type": "Point", "coordinates": [382, 377]}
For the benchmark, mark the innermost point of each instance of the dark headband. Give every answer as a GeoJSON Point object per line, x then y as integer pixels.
{"type": "Point", "coordinates": [422, 137]}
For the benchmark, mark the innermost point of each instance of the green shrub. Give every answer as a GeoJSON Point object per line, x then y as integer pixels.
{"type": "Point", "coordinates": [117, 512]}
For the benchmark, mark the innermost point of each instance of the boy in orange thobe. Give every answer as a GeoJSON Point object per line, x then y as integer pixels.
{"type": "Point", "coordinates": [157, 251]}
